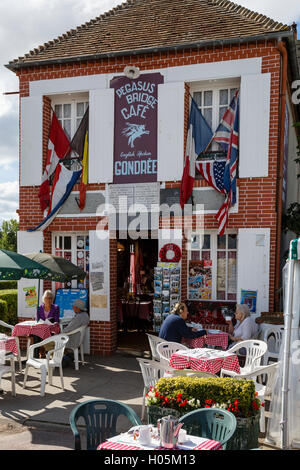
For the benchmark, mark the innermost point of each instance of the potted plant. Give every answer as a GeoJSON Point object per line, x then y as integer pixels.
{"type": "Point", "coordinates": [179, 395]}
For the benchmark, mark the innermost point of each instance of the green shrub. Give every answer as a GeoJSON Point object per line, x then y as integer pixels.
{"type": "Point", "coordinates": [189, 393]}
{"type": "Point", "coordinates": [4, 285]}
{"type": "Point", "coordinates": [11, 299]}
{"type": "Point", "coordinates": [3, 314]}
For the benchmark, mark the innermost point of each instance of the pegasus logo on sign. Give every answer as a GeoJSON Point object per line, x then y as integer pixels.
{"type": "Point", "coordinates": [134, 131]}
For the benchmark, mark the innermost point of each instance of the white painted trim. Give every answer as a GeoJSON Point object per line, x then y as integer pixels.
{"type": "Point", "coordinates": [185, 73]}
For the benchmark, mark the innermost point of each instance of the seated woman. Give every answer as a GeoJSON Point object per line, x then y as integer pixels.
{"type": "Point", "coordinates": [46, 311]}
{"type": "Point", "coordinates": [174, 327]}
{"type": "Point", "coordinates": [245, 327]}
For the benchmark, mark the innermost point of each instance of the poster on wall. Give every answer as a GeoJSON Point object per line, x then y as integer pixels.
{"type": "Point", "coordinates": [135, 133]}
{"type": "Point", "coordinates": [31, 298]}
{"type": "Point", "coordinates": [200, 280]}
{"type": "Point", "coordinates": [249, 298]}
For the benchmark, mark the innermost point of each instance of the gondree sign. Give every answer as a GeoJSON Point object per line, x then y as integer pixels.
{"type": "Point", "coordinates": [135, 135]}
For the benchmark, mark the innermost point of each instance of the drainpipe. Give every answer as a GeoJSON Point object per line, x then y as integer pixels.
{"type": "Point", "coordinates": [284, 70]}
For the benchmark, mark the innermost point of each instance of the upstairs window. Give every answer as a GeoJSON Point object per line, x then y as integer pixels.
{"type": "Point", "coordinates": [70, 114]}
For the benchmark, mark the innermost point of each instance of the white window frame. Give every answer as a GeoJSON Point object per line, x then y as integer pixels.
{"type": "Point", "coordinates": [73, 99]}
{"type": "Point", "coordinates": [215, 86]}
{"type": "Point", "coordinates": [73, 250]}
{"type": "Point", "coordinates": [214, 250]}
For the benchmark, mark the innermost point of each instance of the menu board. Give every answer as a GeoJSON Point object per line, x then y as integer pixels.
{"type": "Point", "coordinates": [200, 280]}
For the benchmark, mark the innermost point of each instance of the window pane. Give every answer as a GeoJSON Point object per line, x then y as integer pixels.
{"type": "Point", "coordinates": [224, 97]}
{"type": "Point", "coordinates": [232, 272]}
{"type": "Point", "coordinates": [80, 109]}
{"type": "Point", "coordinates": [195, 255]}
{"type": "Point", "coordinates": [222, 242]}
{"type": "Point", "coordinates": [67, 110]}
{"type": "Point", "coordinates": [198, 98]}
{"type": "Point", "coordinates": [195, 242]}
{"type": "Point", "coordinates": [58, 110]}
{"type": "Point", "coordinates": [67, 243]}
{"type": "Point", "coordinates": [206, 242]}
{"type": "Point", "coordinates": [208, 98]}
{"type": "Point", "coordinates": [222, 111]}
{"type": "Point", "coordinates": [67, 127]}
{"type": "Point", "coordinates": [221, 275]}
{"type": "Point", "coordinates": [232, 242]}
{"type": "Point", "coordinates": [206, 255]}
{"type": "Point", "coordinates": [208, 116]}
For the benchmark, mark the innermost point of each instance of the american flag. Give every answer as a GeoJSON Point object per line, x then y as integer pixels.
{"type": "Point", "coordinates": [213, 173]}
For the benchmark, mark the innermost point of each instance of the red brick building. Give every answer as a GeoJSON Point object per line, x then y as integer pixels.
{"type": "Point", "coordinates": [203, 48]}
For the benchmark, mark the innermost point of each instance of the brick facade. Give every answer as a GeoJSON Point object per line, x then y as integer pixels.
{"type": "Point", "coordinates": [257, 196]}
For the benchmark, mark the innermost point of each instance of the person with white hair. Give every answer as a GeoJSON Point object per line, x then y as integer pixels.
{"type": "Point", "coordinates": [81, 318]}
{"type": "Point", "coordinates": [245, 327]}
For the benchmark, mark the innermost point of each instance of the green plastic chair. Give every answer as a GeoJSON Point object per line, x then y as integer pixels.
{"type": "Point", "coordinates": [100, 417]}
{"type": "Point", "coordinates": [211, 423]}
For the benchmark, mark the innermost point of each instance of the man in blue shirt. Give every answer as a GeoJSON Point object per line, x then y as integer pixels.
{"type": "Point", "coordinates": [174, 327]}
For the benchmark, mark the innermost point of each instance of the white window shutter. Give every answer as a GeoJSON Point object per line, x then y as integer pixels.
{"type": "Point", "coordinates": [170, 142]}
{"type": "Point", "coordinates": [254, 125]}
{"type": "Point", "coordinates": [31, 141]}
{"type": "Point", "coordinates": [28, 242]}
{"type": "Point", "coordinates": [101, 136]}
{"type": "Point", "coordinates": [99, 276]}
{"type": "Point", "coordinates": [254, 265]}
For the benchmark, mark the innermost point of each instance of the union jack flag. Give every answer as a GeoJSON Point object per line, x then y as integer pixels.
{"type": "Point", "coordinates": [227, 135]}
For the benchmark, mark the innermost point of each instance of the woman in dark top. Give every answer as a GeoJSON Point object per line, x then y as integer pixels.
{"type": "Point", "coordinates": [174, 327]}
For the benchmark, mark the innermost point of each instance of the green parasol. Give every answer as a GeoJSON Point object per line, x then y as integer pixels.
{"type": "Point", "coordinates": [14, 266]}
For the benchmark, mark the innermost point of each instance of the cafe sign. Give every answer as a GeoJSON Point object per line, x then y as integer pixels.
{"type": "Point", "coordinates": [135, 133]}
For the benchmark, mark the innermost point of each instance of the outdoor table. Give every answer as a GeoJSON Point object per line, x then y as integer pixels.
{"type": "Point", "coordinates": [205, 360]}
{"type": "Point", "coordinates": [42, 330]}
{"type": "Point", "coordinates": [126, 441]}
{"type": "Point", "coordinates": [211, 339]}
{"type": "Point", "coordinates": [8, 344]}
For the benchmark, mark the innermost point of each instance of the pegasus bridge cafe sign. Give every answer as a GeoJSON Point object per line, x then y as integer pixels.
{"type": "Point", "coordinates": [135, 137]}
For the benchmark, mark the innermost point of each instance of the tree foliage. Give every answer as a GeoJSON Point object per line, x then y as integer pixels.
{"type": "Point", "coordinates": [8, 235]}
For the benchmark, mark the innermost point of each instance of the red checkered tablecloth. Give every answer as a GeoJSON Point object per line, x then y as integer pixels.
{"type": "Point", "coordinates": [39, 329]}
{"type": "Point", "coordinates": [9, 345]}
{"type": "Point", "coordinates": [213, 364]}
{"type": "Point", "coordinates": [207, 444]}
{"type": "Point", "coordinates": [218, 339]}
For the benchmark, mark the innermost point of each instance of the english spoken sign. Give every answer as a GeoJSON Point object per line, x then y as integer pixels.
{"type": "Point", "coordinates": [135, 136]}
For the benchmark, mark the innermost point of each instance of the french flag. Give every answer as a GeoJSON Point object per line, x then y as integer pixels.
{"type": "Point", "coordinates": [58, 147]}
{"type": "Point", "coordinates": [63, 183]}
{"type": "Point", "coordinates": [198, 138]}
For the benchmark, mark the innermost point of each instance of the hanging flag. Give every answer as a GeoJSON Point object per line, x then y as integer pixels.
{"type": "Point", "coordinates": [198, 138]}
{"type": "Point", "coordinates": [79, 145]}
{"type": "Point", "coordinates": [58, 147]}
{"type": "Point", "coordinates": [63, 183]}
{"type": "Point", "coordinates": [227, 135]}
{"type": "Point", "coordinates": [213, 173]}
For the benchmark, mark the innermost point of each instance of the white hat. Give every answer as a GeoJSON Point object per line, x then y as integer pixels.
{"type": "Point", "coordinates": [80, 304]}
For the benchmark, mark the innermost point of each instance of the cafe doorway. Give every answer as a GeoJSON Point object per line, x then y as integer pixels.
{"type": "Point", "coordinates": [136, 260]}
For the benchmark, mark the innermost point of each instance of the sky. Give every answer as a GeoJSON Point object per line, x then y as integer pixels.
{"type": "Point", "coordinates": [27, 24]}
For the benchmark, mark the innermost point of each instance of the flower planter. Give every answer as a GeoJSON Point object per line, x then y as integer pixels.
{"type": "Point", "coordinates": [246, 434]}
{"type": "Point", "coordinates": [244, 438]}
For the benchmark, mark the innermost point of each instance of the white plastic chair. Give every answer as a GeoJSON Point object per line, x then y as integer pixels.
{"type": "Point", "coordinates": [81, 330]}
{"type": "Point", "coordinates": [275, 333]}
{"type": "Point", "coordinates": [10, 327]}
{"type": "Point", "coordinates": [255, 350]}
{"type": "Point", "coordinates": [264, 391]}
{"type": "Point", "coordinates": [152, 371]}
{"type": "Point", "coordinates": [166, 349]}
{"type": "Point", "coordinates": [153, 342]}
{"type": "Point", "coordinates": [193, 373]}
{"type": "Point", "coordinates": [9, 369]}
{"type": "Point", "coordinates": [53, 359]}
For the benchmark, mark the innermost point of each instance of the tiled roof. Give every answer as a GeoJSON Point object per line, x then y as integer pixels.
{"type": "Point", "coordinates": [142, 24]}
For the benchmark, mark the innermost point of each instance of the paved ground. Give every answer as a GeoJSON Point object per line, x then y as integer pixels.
{"type": "Point", "coordinates": [31, 422]}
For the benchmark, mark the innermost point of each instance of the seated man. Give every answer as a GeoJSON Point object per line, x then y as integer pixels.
{"type": "Point", "coordinates": [174, 327]}
{"type": "Point", "coordinates": [81, 318]}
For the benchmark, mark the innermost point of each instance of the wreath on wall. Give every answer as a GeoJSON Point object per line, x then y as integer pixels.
{"type": "Point", "coordinates": [170, 253]}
